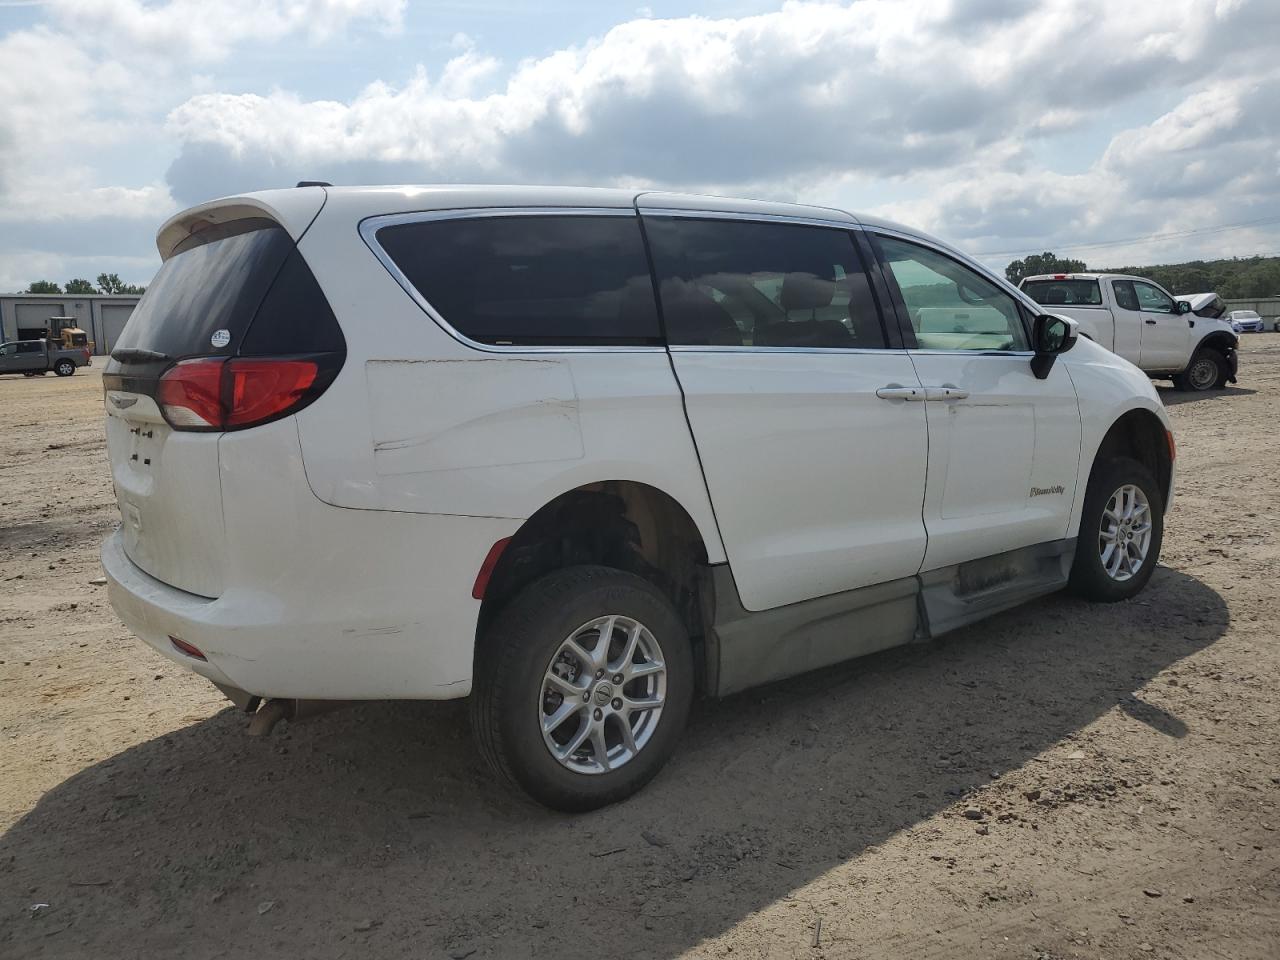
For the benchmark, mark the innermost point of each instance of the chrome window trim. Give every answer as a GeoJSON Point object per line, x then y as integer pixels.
{"type": "Point", "coordinates": [726, 348]}
{"type": "Point", "coordinates": [682, 213]}
{"type": "Point", "coordinates": [1025, 354]}
{"type": "Point", "coordinates": [370, 226]}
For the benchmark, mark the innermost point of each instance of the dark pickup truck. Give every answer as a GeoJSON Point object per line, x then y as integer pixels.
{"type": "Point", "coordinates": [35, 358]}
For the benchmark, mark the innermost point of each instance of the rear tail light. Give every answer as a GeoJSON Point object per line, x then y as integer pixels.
{"type": "Point", "coordinates": [220, 393]}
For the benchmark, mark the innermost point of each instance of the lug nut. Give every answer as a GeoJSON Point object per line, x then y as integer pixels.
{"type": "Point", "coordinates": [617, 678]}
{"type": "Point", "coordinates": [617, 704]}
{"type": "Point", "coordinates": [599, 713]}
{"type": "Point", "coordinates": [587, 695]}
{"type": "Point", "coordinates": [599, 674]}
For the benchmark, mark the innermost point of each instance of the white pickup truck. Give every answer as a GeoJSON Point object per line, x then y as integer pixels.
{"type": "Point", "coordinates": [1140, 321]}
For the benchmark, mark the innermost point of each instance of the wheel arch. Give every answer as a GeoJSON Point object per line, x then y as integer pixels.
{"type": "Point", "coordinates": [1141, 434]}
{"type": "Point", "coordinates": [1218, 340]}
{"type": "Point", "coordinates": [625, 524]}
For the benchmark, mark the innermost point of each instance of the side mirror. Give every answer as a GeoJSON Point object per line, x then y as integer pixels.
{"type": "Point", "coordinates": [1051, 335]}
{"type": "Point", "coordinates": [1183, 306]}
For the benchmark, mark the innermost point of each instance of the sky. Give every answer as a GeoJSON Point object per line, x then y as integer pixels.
{"type": "Point", "coordinates": [1120, 133]}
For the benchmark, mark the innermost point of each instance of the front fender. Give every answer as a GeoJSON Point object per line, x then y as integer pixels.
{"type": "Point", "coordinates": [1107, 388]}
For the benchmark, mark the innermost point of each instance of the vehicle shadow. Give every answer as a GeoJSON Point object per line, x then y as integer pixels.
{"type": "Point", "coordinates": [376, 831]}
{"type": "Point", "coordinates": [1172, 397]}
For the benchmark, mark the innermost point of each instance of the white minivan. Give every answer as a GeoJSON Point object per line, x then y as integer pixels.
{"type": "Point", "coordinates": [580, 454]}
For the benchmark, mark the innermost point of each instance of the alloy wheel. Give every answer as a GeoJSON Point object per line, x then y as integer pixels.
{"type": "Point", "coordinates": [602, 694]}
{"type": "Point", "coordinates": [1124, 538]}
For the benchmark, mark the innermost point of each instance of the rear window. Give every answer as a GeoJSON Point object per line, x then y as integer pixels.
{"type": "Point", "coordinates": [214, 284]}
{"type": "Point", "coordinates": [1064, 293]}
{"type": "Point", "coordinates": [532, 280]}
{"type": "Point", "coordinates": [235, 288]}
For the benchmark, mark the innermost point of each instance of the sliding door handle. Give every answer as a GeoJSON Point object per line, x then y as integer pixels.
{"type": "Point", "coordinates": [896, 391]}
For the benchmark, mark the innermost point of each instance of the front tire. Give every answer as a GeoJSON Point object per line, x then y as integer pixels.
{"type": "Point", "coordinates": [583, 685]}
{"type": "Point", "coordinates": [1121, 530]}
{"type": "Point", "coordinates": [1206, 371]}
{"type": "Point", "coordinates": [64, 368]}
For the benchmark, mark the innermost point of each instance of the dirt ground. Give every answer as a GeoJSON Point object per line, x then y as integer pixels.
{"type": "Point", "coordinates": [1123, 761]}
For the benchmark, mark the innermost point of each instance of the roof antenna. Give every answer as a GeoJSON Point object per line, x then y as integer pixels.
{"type": "Point", "coordinates": [313, 183]}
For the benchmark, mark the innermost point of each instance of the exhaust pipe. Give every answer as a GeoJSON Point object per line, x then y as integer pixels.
{"type": "Point", "coordinates": [269, 714]}
{"type": "Point", "coordinates": [266, 717]}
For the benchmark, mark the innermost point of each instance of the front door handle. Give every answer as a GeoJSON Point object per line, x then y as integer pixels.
{"type": "Point", "coordinates": [945, 392]}
{"type": "Point", "coordinates": [1150, 323]}
{"type": "Point", "coordinates": [896, 391]}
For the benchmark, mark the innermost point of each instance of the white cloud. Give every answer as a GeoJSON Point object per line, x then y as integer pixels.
{"type": "Point", "coordinates": [98, 76]}
{"type": "Point", "coordinates": [207, 30]}
{"type": "Point", "coordinates": [956, 110]}
{"type": "Point", "coordinates": [878, 87]}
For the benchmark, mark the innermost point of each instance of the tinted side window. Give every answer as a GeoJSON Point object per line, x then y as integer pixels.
{"type": "Point", "coordinates": [1152, 299]}
{"type": "Point", "coordinates": [951, 306]}
{"type": "Point", "coordinates": [532, 280]}
{"type": "Point", "coordinates": [742, 283]}
{"type": "Point", "coordinates": [31, 346]}
{"type": "Point", "coordinates": [1126, 298]}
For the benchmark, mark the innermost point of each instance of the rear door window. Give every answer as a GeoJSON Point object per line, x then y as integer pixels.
{"type": "Point", "coordinates": [756, 284]}
{"type": "Point", "coordinates": [1064, 293]}
{"type": "Point", "coordinates": [551, 280]}
{"type": "Point", "coordinates": [1126, 296]}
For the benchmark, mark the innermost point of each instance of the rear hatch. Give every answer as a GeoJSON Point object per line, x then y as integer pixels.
{"type": "Point", "coordinates": [233, 332]}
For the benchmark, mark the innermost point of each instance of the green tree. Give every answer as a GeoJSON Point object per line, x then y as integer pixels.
{"type": "Point", "coordinates": [111, 283]}
{"type": "Point", "coordinates": [44, 286]}
{"type": "Point", "coordinates": [1038, 263]}
{"type": "Point", "coordinates": [79, 285]}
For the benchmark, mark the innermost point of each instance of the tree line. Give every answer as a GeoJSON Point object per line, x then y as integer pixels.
{"type": "Point", "coordinates": [1236, 278]}
{"type": "Point", "coordinates": [107, 283]}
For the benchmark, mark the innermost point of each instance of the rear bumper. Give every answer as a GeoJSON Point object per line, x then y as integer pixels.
{"type": "Point", "coordinates": [155, 611]}
{"type": "Point", "coordinates": [325, 643]}
{"type": "Point", "coordinates": [320, 602]}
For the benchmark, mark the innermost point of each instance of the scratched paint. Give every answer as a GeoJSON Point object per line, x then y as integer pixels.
{"type": "Point", "coordinates": [466, 414]}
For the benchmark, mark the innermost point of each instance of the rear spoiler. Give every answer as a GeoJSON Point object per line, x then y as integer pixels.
{"type": "Point", "coordinates": [293, 209]}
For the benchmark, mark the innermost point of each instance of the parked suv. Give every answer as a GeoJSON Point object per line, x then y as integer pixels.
{"type": "Point", "coordinates": [581, 454]}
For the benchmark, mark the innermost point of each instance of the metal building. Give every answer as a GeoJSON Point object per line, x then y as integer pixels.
{"type": "Point", "coordinates": [23, 316]}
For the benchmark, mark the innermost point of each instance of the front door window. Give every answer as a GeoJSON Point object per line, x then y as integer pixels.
{"type": "Point", "coordinates": [950, 306]}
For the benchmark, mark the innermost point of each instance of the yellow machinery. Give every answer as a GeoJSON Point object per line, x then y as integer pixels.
{"type": "Point", "coordinates": [65, 331]}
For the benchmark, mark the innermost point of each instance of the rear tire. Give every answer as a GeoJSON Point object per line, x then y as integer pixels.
{"type": "Point", "coordinates": [64, 368]}
{"type": "Point", "coordinates": [529, 672]}
{"type": "Point", "coordinates": [1123, 511]}
{"type": "Point", "coordinates": [1206, 371]}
